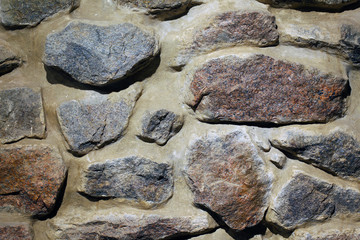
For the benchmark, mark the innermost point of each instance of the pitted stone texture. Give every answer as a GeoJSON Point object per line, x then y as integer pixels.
{"type": "Point", "coordinates": [337, 152]}
{"type": "Point", "coordinates": [160, 126]}
{"type": "Point", "coordinates": [350, 43]}
{"type": "Point", "coordinates": [17, 13]}
{"type": "Point", "coordinates": [98, 55]}
{"type": "Point", "coordinates": [330, 5]}
{"type": "Point", "coordinates": [21, 114]}
{"type": "Point", "coordinates": [227, 176]}
{"type": "Point", "coordinates": [132, 178]}
{"type": "Point", "coordinates": [97, 120]}
{"type": "Point", "coordinates": [15, 231]}
{"type": "Point", "coordinates": [261, 89]}
{"type": "Point", "coordinates": [8, 59]}
{"type": "Point", "coordinates": [130, 227]}
{"type": "Point", "coordinates": [305, 199]}
{"type": "Point", "coordinates": [328, 234]}
{"type": "Point", "coordinates": [30, 178]}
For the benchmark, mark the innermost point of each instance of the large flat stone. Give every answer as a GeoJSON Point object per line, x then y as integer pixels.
{"type": "Point", "coordinates": [132, 178]}
{"type": "Point", "coordinates": [228, 177]}
{"type": "Point", "coordinates": [8, 59]}
{"type": "Point", "coordinates": [329, 5]}
{"type": "Point", "coordinates": [17, 13]}
{"type": "Point", "coordinates": [100, 55]}
{"type": "Point", "coordinates": [30, 178]}
{"type": "Point", "coordinates": [21, 114]}
{"type": "Point", "coordinates": [15, 231]}
{"type": "Point", "coordinates": [261, 89]}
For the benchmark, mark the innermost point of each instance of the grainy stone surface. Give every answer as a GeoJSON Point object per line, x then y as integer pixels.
{"type": "Point", "coordinates": [304, 199]}
{"type": "Point", "coordinates": [97, 120]}
{"type": "Point", "coordinates": [132, 178]}
{"type": "Point", "coordinates": [21, 114]}
{"type": "Point", "coordinates": [30, 178]}
{"type": "Point", "coordinates": [100, 55]}
{"type": "Point", "coordinates": [344, 233]}
{"type": "Point", "coordinates": [8, 59]}
{"type": "Point", "coordinates": [15, 13]}
{"type": "Point", "coordinates": [160, 126]}
{"type": "Point", "coordinates": [337, 152]}
{"type": "Point", "coordinates": [227, 176]}
{"type": "Point", "coordinates": [15, 231]}
{"type": "Point", "coordinates": [332, 5]}
{"type": "Point", "coordinates": [262, 89]}
{"type": "Point", "coordinates": [350, 43]}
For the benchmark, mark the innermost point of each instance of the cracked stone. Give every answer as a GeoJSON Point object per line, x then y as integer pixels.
{"type": "Point", "coordinates": [328, 5]}
{"type": "Point", "coordinates": [227, 177]}
{"type": "Point", "coordinates": [132, 178]}
{"type": "Point", "coordinates": [30, 178]}
{"type": "Point", "coordinates": [100, 55]}
{"type": "Point", "coordinates": [93, 122]}
{"type": "Point", "coordinates": [18, 13]}
{"type": "Point", "coordinates": [160, 126]}
{"type": "Point", "coordinates": [8, 59]}
{"type": "Point", "coordinates": [261, 89]}
{"type": "Point", "coordinates": [15, 231]}
{"type": "Point", "coordinates": [21, 114]}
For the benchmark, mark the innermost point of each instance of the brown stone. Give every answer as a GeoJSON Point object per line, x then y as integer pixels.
{"type": "Point", "coordinates": [15, 231]}
{"type": "Point", "coordinates": [227, 176]}
{"type": "Point", "coordinates": [329, 5]}
{"type": "Point", "coordinates": [263, 89]}
{"type": "Point", "coordinates": [30, 178]}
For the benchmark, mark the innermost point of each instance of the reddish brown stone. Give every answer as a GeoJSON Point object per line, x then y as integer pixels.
{"type": "Point", "coordinates": [15, 231]}
{"type": "Point", "coordinates": [227, 176]}
{"type": "Point", "coordinates": [262, 89]}
{"type": "Point", "coordinates": [30, 178]}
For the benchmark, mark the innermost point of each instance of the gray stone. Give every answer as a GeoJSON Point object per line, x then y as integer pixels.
{"type": "Point", "coordinates": [15, 231]}
{"type": "Point", "coordinates": [228, 177]}
{"type": "Point", "coordinates": [160, 126]}
{"type": "Point", "coordinates": [337, 152]}
{"type": "Point", "coordinates": [100, 55]}
{"type": "Point", "coordinates": [132, 178]}
{"type": "Point", "coordinates": [327, 232]}
{"type": "Point", "coordinates": [330, 5]}
{"type": "Point", "coordinates": [21, 114]}
{"type": "Point", "coordinates": [277, 157]}
{"type": "Point", "coordinates": [350, 43]}
{"type": "Point", "coordinates": [17, 13]}
{"type": "Point", "coordinates": [8, 59]}
{"type": "Point", "coordinates": [96, 121]}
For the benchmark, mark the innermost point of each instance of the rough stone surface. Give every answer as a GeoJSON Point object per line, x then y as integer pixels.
{"type": "Point", "coordinates": [304, 199]}
{"type": "Point", "coordinates": [15, 231]}
{"type": "Point", "coordinates": [21, 114]}
{"type": "Point", "coordinates": [8, 59]}
{"type": "Point", "coordinates": [332, 5]}
{"type": "Point", "coordinates": [129, 227]}
{"type": "Point", "coordinates": [15, 13]}
{"type": "Point", "coordinates": [262, 89]}
{"type": "Point", "coordinates": [30, 178]}
{"type": "Point", "coordinates": [160, 126]}
{"type": "Point", "coordinates": [227, 176]}
{"type": "Point", "coordinates": [97, 120]}
{"type": "Point", "coordinates": [133, 178]}
{"type": "Point", "coordinates": [98, 55]}
{"type": "Point", "coordinates": [337, 152]}
{"type": "Point", "coordinates": [350, 43]}
{"type": "Point", "coordinates": [277, 158]}
{"type": "Point", "coordinates": [327, 234]}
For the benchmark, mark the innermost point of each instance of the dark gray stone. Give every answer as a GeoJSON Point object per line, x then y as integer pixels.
{"type": "Point", "coordinates": [15, 231]}
{"type": "Point", "coordinates": [329, 5]}
{"type": "Point", "coordinates": [160, 126]}
{"type": "Point", "coordinates": [350, 43]}
{"type": "Point", "coordinates": [15, 13]}
{"type": "Point", "coordinates": [21, 114]}
{"type": "Point", "coordinates": [132, 178]}
{"type": "Point", "coordinates": [98, 55]}
{"type": "Point", "coordinates": [8, 59]}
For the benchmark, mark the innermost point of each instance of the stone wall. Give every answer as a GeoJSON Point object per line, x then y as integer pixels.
{"type": "Point", "coordinates": [180, 119]}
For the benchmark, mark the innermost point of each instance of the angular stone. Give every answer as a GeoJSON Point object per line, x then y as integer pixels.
{"type": "Point", "coordinates": [96, 121]}
{"type": "Point", "coordinates": [21, 114]}
{"type": "Point", "coordinates": [160, 126]}
{"type": "Point", "coordinates": [305, 199]}
{"type": "Point", "coordinates": [261, 89]}
{"type": "Point", "coordinates": [128, 227]}
{"type": "Point", "coordinates": [331, 233]}
{"type": "Point", "coordinates": [330, 5]}
{"type": "Point", "coordinates": [98, 55]}
{"type": "Point", "coordinates": [30, 178]}
{"type": "Point", "coordinates": [8, 59]}
{"type": "Point", "coordinates": [17, 13]}
{"type": "Point", "coordinates": [336, 152]}
{"type": "Point", "coordinates": [15, 231]}
{"type": "Point", "coordinates": [350, 43]}
{"type": "Point", "coordinates": [227, 177]}
{"type": "Point", "coordinates": [132, 178]}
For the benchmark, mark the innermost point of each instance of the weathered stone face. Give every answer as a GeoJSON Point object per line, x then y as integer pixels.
{"type": "Point", "coordinates": [227, 176]}
{"type": "Point", "coordinates": [98, 55]}
{"type": "Point", "coordinates": [30, 178]}
{"type": "Point", "coordinates": [260, 89]}
{"type": "Point", "coordinates": [328, 234]}
{"type": "Point", "coordinates": [160, 126]}
{"type": "Point", "coordinates": [332, 5]}
{"type": "Point", "coordinates": [95, 121]}
{"type": "Point", "coordinates": [15, 231]}
{"type": "Point", "coordinates": [21, 114]}
{"type": "Point", "coordinates": [338, 152]}
{"type": "Point", "coordinates": [132, 178]}
{"type": "Point", "coordinates": [8, 59]}
{"type": "Point", "coordinates": [350, 43]}
{"type": "Point", "coordinates": [15, 13]}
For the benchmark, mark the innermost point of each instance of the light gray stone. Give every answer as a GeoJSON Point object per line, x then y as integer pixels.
{"type": "Point", "coordinates": [8, 59]}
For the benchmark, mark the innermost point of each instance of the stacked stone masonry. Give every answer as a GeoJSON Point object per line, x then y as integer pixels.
{"type": "Point", "coordinates": [179, 119]}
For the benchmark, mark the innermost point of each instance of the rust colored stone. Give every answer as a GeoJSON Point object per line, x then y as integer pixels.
{"type": "Point", "coordinates": [262, 89]}
{"type": "Point", "coordinates": [15, 231]}
{"type": "Point", "coordinates": [30, 178]}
